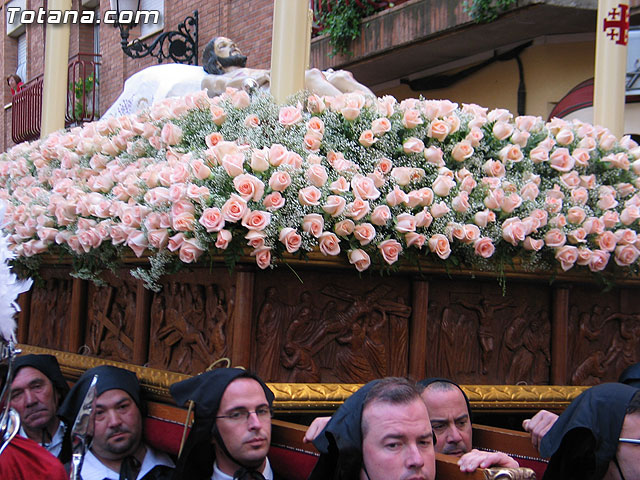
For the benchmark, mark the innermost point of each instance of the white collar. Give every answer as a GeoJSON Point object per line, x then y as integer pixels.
{"type": "Point", "coordinates": [94, 469]}
{"type": "Point", "coordinates": [218, 474]}
{"type": "Point", "coordinates": [54, 447]}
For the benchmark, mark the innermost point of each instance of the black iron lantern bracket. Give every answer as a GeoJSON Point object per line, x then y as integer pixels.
{"type": "Point", "coordinates": [179, 46]}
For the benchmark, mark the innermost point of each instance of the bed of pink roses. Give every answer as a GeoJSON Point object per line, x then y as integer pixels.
{"type": "Point", "coordinates": [374, 179]}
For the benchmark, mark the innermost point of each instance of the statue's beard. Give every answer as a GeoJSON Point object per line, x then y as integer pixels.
{"type": "Point", "coordinates": [232, 61]}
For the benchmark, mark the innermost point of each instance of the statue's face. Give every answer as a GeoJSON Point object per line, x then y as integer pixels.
{"type": "Point", "coordinates": [224, 48]}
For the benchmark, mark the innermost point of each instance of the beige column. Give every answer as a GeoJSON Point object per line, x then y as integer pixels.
{"type": "Point", "coordinates": [56, 60]}
{"type": "Point", "coordinates": [612, 36]}
{"type": "Point", "coordinates": [288, 45]}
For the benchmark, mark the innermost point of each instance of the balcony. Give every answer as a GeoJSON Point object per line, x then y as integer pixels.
{"type": "Point", "coordinates": [417, 38]}
{"type": "Point", "coordinates": [82, 99]}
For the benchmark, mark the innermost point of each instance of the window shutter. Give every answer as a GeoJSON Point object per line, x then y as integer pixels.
{"type": "Point", "coordinates": [151, 28]}
{"type": "Point", "coordinates": [21, 71]}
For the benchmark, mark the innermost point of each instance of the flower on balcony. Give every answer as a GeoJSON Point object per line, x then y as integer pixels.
{"type": "Point", "coordinates": [373, 179]}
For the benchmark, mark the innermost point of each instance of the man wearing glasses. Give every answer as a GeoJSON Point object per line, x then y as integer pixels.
{"type": "Point", "coordinates": [231, 434]}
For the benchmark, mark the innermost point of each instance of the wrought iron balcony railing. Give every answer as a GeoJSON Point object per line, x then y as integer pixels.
{"type": "Point", "coordinates": [82, 99]}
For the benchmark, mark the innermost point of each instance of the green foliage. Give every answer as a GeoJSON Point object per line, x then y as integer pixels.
{"type": "Point", "coordinates": [79, 89]}
{"type": "Point", "coordinates": [342, 24]}
{"type": "Point", "coordinates": [485, 11]}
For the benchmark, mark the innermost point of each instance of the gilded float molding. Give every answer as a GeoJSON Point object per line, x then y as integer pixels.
{"type": "Point", "coordinates": [328, 396]}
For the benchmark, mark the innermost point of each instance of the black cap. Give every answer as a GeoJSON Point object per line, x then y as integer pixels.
{"type": "Point", "coordinates": [631, 375]}
{"type": "Point", "coordinates": [109, 378]}
{"type": "Point", "coordinates": [206, 391]}
{"type": "Point", "coordinates": [48, 365]}
{"type": "Point", "coordinates": [584, 439]}
{"type": "Point", "coordinates": [340, 443]}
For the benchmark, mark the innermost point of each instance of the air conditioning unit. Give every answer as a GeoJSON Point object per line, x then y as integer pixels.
{"type": "Point", "coordinates": [15, 27]}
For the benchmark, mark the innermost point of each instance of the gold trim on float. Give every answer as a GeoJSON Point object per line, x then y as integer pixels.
{"type": "Point", "coordinates": [327, 396]}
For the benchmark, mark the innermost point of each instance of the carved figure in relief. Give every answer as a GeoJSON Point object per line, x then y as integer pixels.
{"type": "Point", "coordinates": [623, 349]}
{"type": "Point", "coordinates": [113, 339]}
{"type": "Point", "coordinates": [486, 314]}
{"type": "Point", "coordinates": [300, 361]}
{"type": "Point", "coordinates": [527, 337]}
{"type": "Point", "coordinates": [49, 305]}
{"type": "Point", "coordinates": [217, 313]}
{"type": "Point", "coordinates": [272, 319]}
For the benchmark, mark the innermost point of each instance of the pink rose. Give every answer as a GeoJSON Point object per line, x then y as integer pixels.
{"type": "Point", "coordinates": [581, 156]}
{"type": "Point", "coordinates": [380, 215]}
{"type": "Point", "coordinates": [279, 181]}
{"type": "Point", "coordinates": [317, 175]}
{"type": "Point", "coordinates": [513, 231]}
{"type": "Point", "coordinates": [567, 256]}
{"type": "Point", "coordinates": [413, 145]}
{"type": "Point", "coordinates": [442, 185]}
{"type": "Point", "coordinates": [183, 222]}
{"type": "Point", "coordinates": [625, 255]}
{"type": "Point", "coordinates": [339, 186]}
{"type": "Point", "coordinates": [474, 136]}
{"type": "Point", "coordinates": [249, 187]}
{"type": "Point", "coordinates": [344, 228]}
{"type": "Point", "coordinates": [539, 154]}
{"type": "Point", "coordinates": [598, 260]}
{"type": "Point", "coordinates": [576, 215]}
{"type": "Point", "coordinates": [578, 235]}
{"type": "Point", "coordinates": [240, 99]}
{"type": "Point", "coordinates": [234, 209]}
{"type": "Point", "coordinates": [494, 199]}
{"type": "Point", "coordinates": [530, 191]}
{"type": "Point", "coordinates": [607, 202]}
{"type": "Point", "coordinates": [233, 164]}
{"type": "Point", "coordinates": [273, 201]}
{"type": "Point", "coordinates": [390, 250]}
{"type": "Point", "coordinates": [313, 224]}
{"type": "Point", "coordinates": [580, 195]}
{"type": "Point", "coordinates": [255, 238]}
{"type": "Point", "coordinates": [309, 196]}
{"type": "Point", "coordinates": [315, 104]}
{"type": "Point", "coordinates": [367, 138]}
{"type": "Point", "coordinates": [510, 203]}
{"type": "Point", "coordinates": [218, 115]}
{"type": "Point", "coordinates": [364, 233]}
{"type": "Point", "coordinates": [434, 155]}
{"type": "Point", "coordinates": [493, 168]}
{"type": "Point", "coordinates": [520, 138]}
{"type": "Point", "coordinates": [290, 239]}
{"type": "Point", "coordinates": [484, 247]}
{"type": "Point", "coordinates": [561, 160]}
{"type": "Point", "coordinates": [354, 102]}
{"type": "Point", "coordinates": [364, 188]}
{"type": "Point", "coordinates": [171, 134]}
{"type": "Point", "coordinates": [629, 215]}
{"type": "Point", "coordinates": [555, 238]}
{"type": "Point", "coordinates": [471, 233]}
{"type": "Point", "coordinates": [564, 136]}
{"type": "Point", "coordinates": [251, 121]}
{"type": "Point", "coordinates": [384, 166]}
{"type": "Point", "coordinates": [335, 205]}
{"type": "Point", "coordinates": [176, 241]}
{"type": "Point", "coordinates": [439, 130]}
{"type": "Point", "coordinates": [460, 203]}
{"type": "Point", "coordinates": [158, 238]}
{"type": "Point", "coordinates": [415, 240]}
{"type": "Point", "coordinates": [259, 162]}
{"type": "Point", "coordinates": [439, 244]}
{"type": "Point", "coordinates": [190, 250]}
{"type": "Point", "coordinates": [357, 209]}
{"type": "Point", "coordinates": [439, 209]}
{"type": "Point", "coordinates": [223, 239]}
{"type": "Point", "coordinates": [360, 259]}
{"type": "Point", "coordinates": [277, 154]}
{"type": "Point", "coordinates": [483, 218]}
{"type": "Point", "coordinates": [502, 130]}
{"type": "Point", "coordinates": [423, 218]}
{"type": "Point", "coordinates": [212, 219]}
{"type": "Point", "coordinates": [532, 244]}
{"type": "Point", "coordinates": [405, 222]}
{"type": "Point", "coordinates": [329, 244]}
{"type": "Point", "coordinates": [462, 150]}
{"type": "Point", "coordinates": [511, 153]}
{"type": "Point", "coordinates": [380, 126]}
{"type": "Point", "coordinates": [256, 219]}
{"type": "Point", "coordinates": [289, 115]}
{"type": "Point", "coordinates": [213, 139]}
{"type": "Point", "coordinates": [607, 241]}
{"type": "Point", "coordinates": [610, 219]}
{"type": "Point", "coordinates": [411, 118]}
{"type": "Point", "coordinates": [402, 175]}
{"type": "Point", "coordinates": [263, 257]}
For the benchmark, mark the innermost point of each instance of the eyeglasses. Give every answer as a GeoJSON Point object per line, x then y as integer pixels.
{"type": "Point", "coordinates": [629, 440]}
{"type": "Point", "coordinates": [242, 415]}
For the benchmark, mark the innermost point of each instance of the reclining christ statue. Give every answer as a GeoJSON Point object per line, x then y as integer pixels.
{"type": "Point", "coordinates": [224, 66]}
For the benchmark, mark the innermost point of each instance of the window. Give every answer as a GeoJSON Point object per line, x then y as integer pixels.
{"type": "Point", "coordinates": [147, 29]}
{"type": "Point", "coordinates": [21, 71]}
{"type": "Point", "coordinates": [15, 28]}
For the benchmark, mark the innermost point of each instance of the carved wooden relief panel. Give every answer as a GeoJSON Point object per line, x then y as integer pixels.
{"type": "Point", "coordinates": [50, 309]}
{"type": "Point", "coordinates": [189, 322]}
{"type": "Point", "coordinates": [331, 328]}
{"type": "Point", "coordinates": [604, 335]}
{"type": "Point", "coordinates": [111, 315]}
{"type": "Point", "coordinates": [477, 335]}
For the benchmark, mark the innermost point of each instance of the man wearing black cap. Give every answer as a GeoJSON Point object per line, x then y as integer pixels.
{"type": "Point", "coordinates": [38, 389]}
{"type": "Point", "coordinates": [231, 434]}
{"type": "Point", "coordinates": [118, 451]}
{"type": "Point", "coordinates": [381, 432]}
{"type": "Point", "coordinates": [450, 414]}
